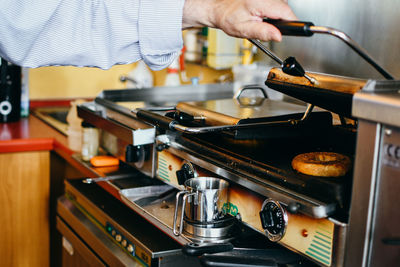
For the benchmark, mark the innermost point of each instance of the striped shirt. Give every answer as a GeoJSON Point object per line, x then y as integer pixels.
{"type": "Point", "coordinates": [97, 33]}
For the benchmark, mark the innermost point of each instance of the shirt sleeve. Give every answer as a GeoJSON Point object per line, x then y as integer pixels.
{"type": "Point", "coordinates": [94, 33]}
{"type": "Point", "coordinates": [156, 27]}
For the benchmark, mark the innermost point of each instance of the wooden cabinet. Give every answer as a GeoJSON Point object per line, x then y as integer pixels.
{"type": "Point", "coordinates": [30, 183]}
{"type": "Point", "coordinates": [24, 208]}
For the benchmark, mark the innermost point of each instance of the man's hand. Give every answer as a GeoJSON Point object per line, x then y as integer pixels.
{"type": "Point", "coordinates": [238, 18]}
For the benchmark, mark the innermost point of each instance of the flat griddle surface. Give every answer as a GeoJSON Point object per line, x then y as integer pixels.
{"type": "Point", "coordinates": [275, 155]}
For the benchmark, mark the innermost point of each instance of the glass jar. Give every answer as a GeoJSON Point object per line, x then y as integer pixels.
{"type": "Point", "coordinates": [90, 141]}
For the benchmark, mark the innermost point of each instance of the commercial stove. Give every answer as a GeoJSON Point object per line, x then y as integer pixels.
{"type": "Point", "coordinates": [274, 215]}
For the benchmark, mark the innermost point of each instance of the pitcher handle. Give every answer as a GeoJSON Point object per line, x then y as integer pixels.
{"type": "Point", "coordinates": [178, 229]}
{"type": "Point", "coordinates": [185, 196]}
{"type": "Point", "coordinates": [176, 232]}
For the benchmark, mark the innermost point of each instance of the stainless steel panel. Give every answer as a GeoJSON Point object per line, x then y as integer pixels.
{"type": "Point", "coordinates": [339, 243]}
{"type": "Point", "coordinates": [385, 240]}
{"type": "Point", "coordinates": [378, 101]}
{"type": "Point", "coordinates": [125, 126]}
{"type": "Point", "coordinates": [363, 187]}
{"type": "Point", "coordinates": [371, 23]}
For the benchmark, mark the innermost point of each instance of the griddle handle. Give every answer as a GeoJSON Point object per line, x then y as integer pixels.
{"type": "Point", "coordinates": [193, 249]}
{"type": "Point", "coordinates": [156, 119]}
{"type": "Point", "coordinates": [292, 28]}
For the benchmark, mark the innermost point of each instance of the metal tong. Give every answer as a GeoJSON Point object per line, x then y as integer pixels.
{"type": "Point", "coordinates": [300, 28]}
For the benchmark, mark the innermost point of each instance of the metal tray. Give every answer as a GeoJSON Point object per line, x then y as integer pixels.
{"type": "Point", "coordinates": [160, 211]}
{"type": "Point", "coordinates": [151, 192]}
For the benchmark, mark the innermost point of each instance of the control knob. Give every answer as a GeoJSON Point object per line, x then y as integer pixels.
{"type": "Point", "coordinates": [274, 219]}
{"type": "Point", "coordinates": [186, 172]}
{"type": "Point", "coordinates": [118, 238]}
{"type": "Point", "coordinates": [130, 248]}
{"type": "Point", "coordinates": [133, 153]}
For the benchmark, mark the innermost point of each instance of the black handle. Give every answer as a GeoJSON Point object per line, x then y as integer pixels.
{"type": "Point", "coordinates": [392, 241]}
{"type": "Point", "coordinates": [156, 119]}
{"type": "Point", "coordinates": [253, 258]}
{"type": "Point", "coordinates": [193, 249]}
{"type": "Point", "coordinates": [293, 28]}
{"type": "Point", "coordinates": [232, 261]}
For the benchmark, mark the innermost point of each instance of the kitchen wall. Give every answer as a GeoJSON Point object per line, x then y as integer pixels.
{"type": "Point", "coordinates": [372, 23]}
{"type": "Point", "coordinates": [74, 82]}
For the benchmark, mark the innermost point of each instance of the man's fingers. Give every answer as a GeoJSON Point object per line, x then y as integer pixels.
{"type": "Point", "coordinates": [263, 32]}
{"type": "Point", "coordinates": [276, 9]}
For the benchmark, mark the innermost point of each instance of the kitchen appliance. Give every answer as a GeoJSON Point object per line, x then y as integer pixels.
{"type": "Point", "coordinates": [255, 160]}
{"type": "Point", "coordinates": [10, 92]}
{"type": "Point", "coordinates": [250, 142]}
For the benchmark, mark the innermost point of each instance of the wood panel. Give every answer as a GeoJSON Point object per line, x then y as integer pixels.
{"type": "Point", "coordinates": [24, 208]}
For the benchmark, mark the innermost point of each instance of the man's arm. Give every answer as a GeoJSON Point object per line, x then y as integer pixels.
{"type": "Point", "coordinates": [238, 18]}
{"type": "Point", "coordinates": [98, 33]}
{"type": "Point", "coordinates": [103, 33]}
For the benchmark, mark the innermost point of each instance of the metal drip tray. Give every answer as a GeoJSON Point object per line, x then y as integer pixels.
{"type": "Point", "coordinates": [159, 211]}
{"type": "Point", "coordinates": [145, 195]}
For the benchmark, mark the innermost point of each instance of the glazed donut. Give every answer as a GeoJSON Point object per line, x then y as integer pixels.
{"type": "Point", "coordinates": [326, 164]}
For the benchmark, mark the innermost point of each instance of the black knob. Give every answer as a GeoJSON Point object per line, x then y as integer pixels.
{"type": "Point", "coordinates": [182, 175]}
{"type": "Point", "coordinates": [161, 147]}
{"type": "Point", "coordinates": [388, 150]}
{"type": "Point", "coordinates": [185, 173]}
{"type": "Point", "coordinates": [183, 117]}
{"type": "Point", "coordinates": [293, 207]}
{"type": "Point", "coordinates": [292, 67]}
{"type": "Point", "coordinates": [274, 219]}
{"type": "Point", "coordinates": [397, 152]}
{"type": "Point", "coordinates": [133, 153]}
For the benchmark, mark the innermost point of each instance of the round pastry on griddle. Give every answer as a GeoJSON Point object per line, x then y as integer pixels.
{"type": "Point", "coordinates": [325, 164]}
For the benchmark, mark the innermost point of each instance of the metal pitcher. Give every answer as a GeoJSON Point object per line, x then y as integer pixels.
{"type": "Point", "coordinates": [202, 201]}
